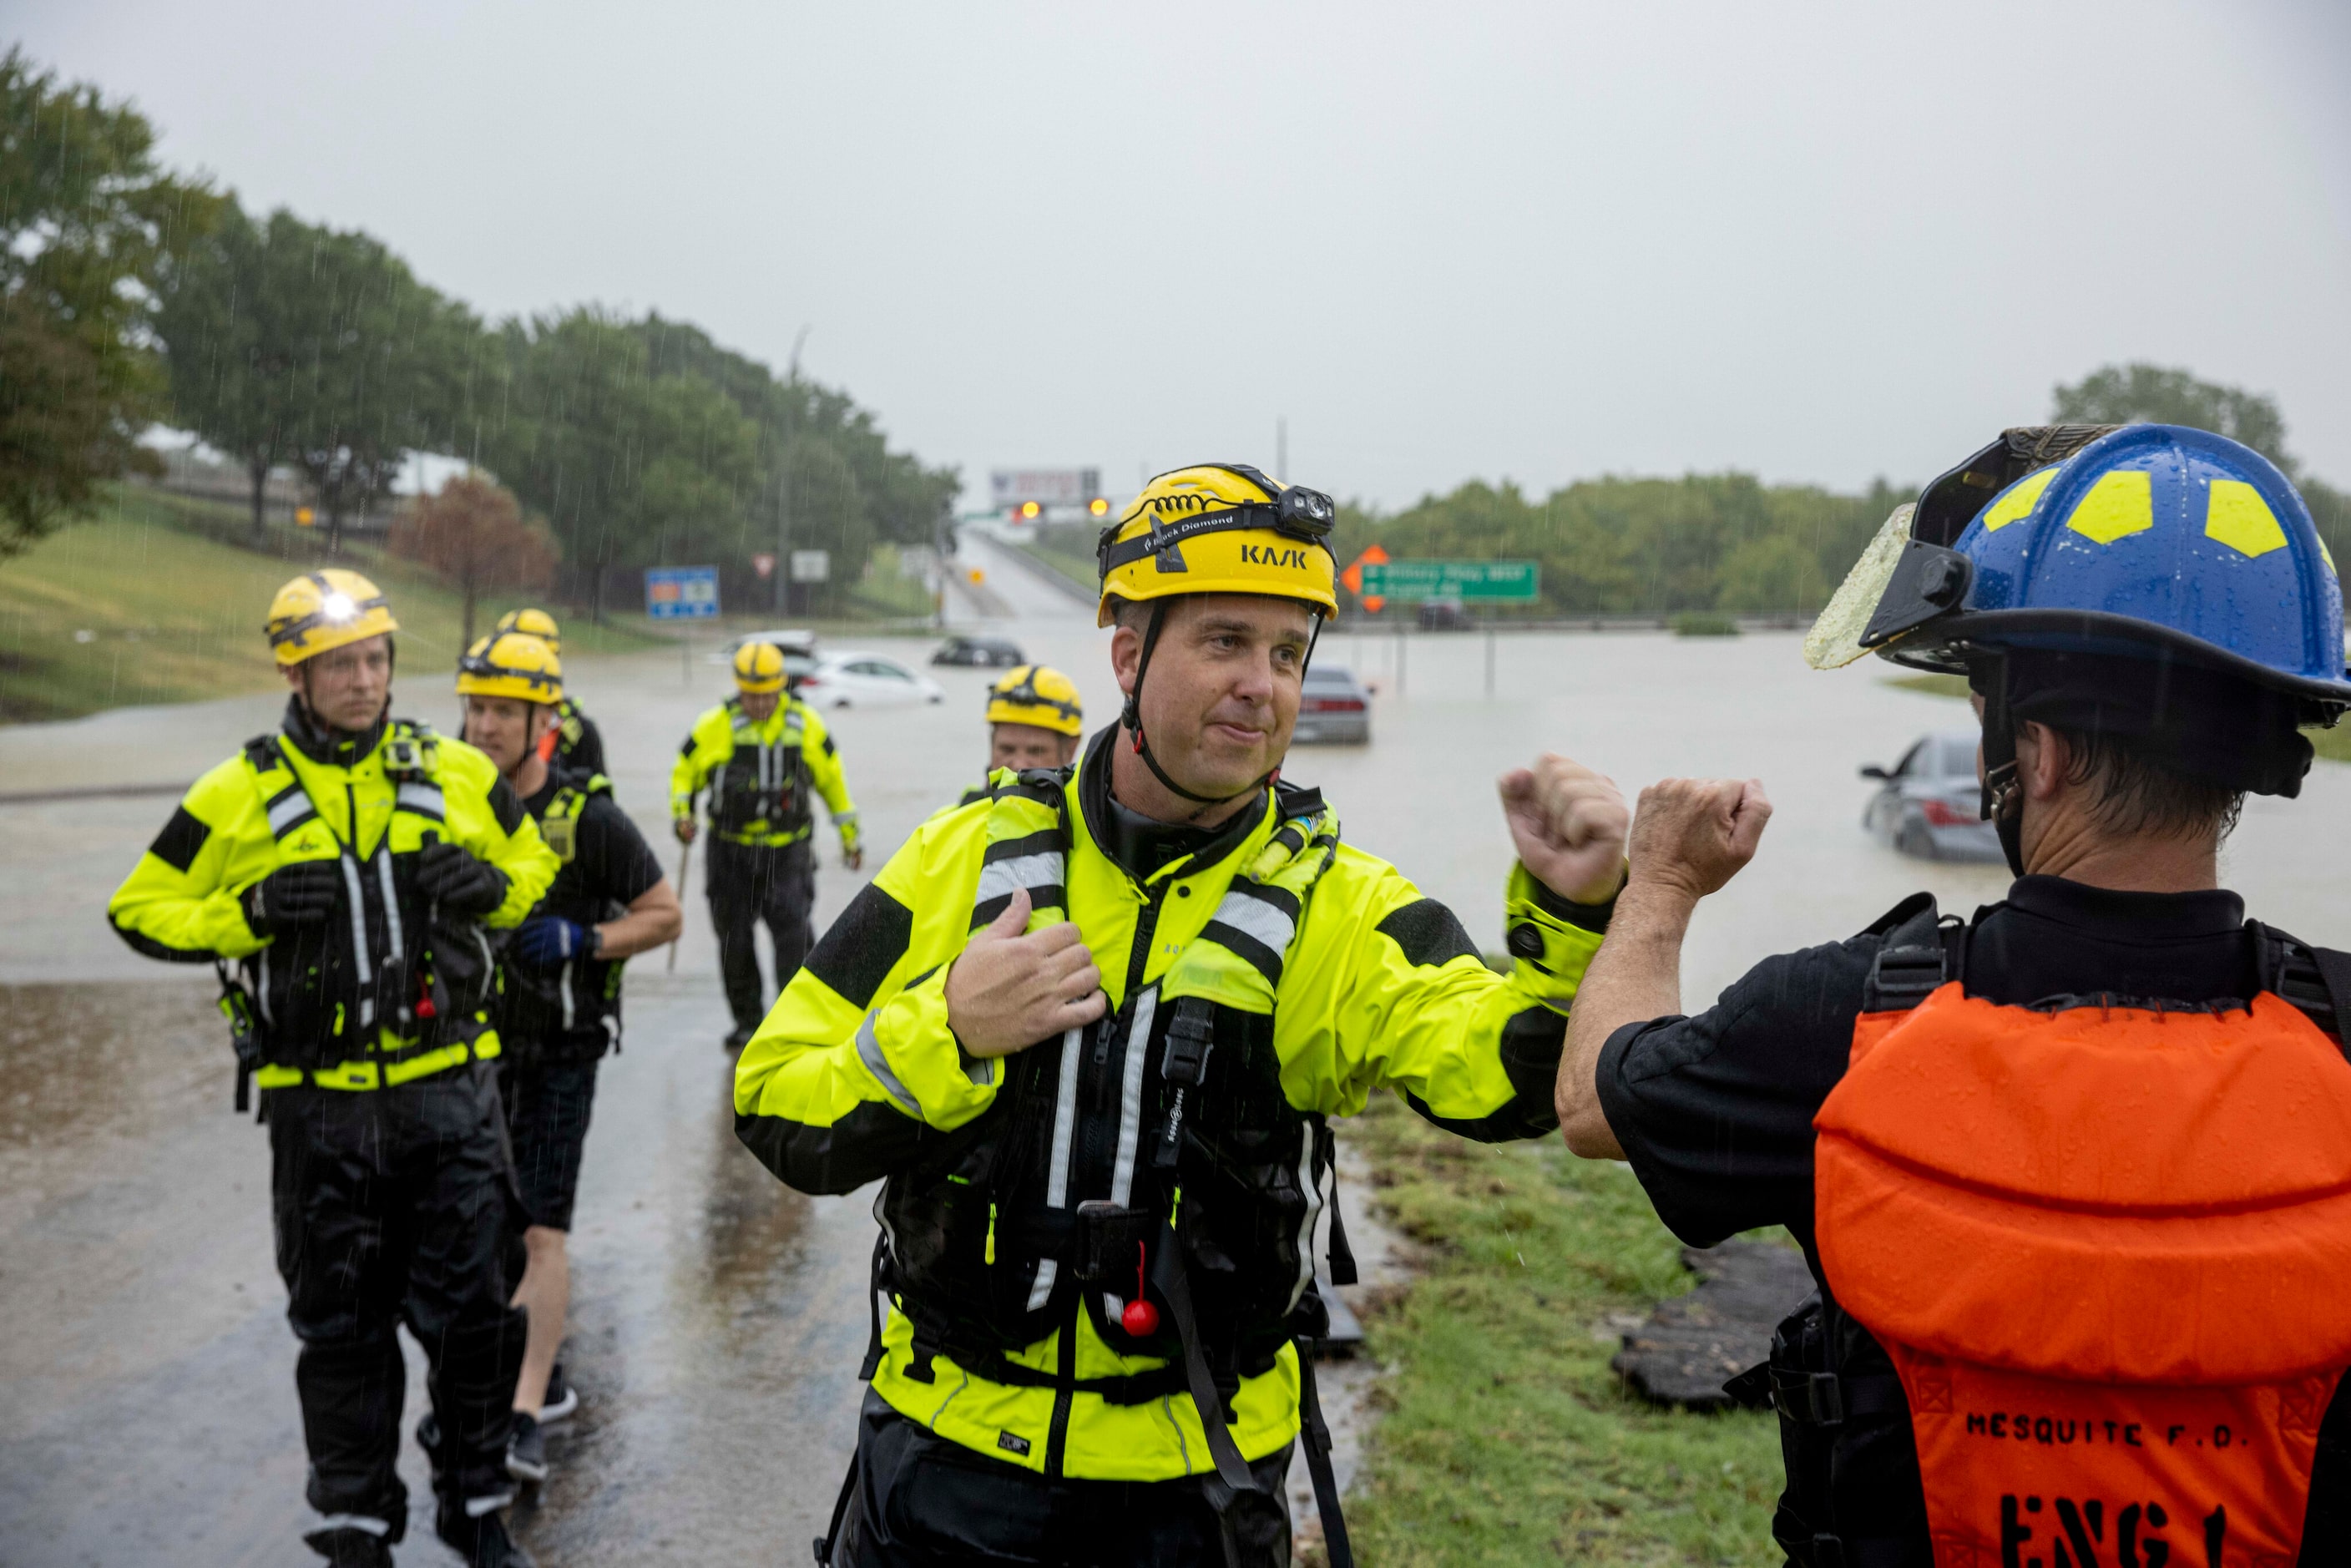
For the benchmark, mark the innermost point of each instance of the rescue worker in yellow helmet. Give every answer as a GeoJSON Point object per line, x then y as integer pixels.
{"type": "Point", "coordinates": [1160, 972]}
{"type": "Point", "coordinates": [346, 865]}
{"type": "Point", "coordinates": [560, 992]}
{"type": "Point", "coordinates": [1034, 720]}
{"type": "Point", "coordinates": [574, 743]}
{"type": "Point", "coordinates": [761, 753]}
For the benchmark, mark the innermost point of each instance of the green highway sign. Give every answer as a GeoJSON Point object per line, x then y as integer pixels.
{"type": "Point", "coordinates": [1461, 581]}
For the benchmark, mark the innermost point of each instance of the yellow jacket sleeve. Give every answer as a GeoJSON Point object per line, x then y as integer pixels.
{"type": "Point", "coordinates": [180, 903]}
{"type": "Point", "coordinates": [707, 746]}
{"type": "Point", "coordinates": [856, 1067]}
{"type": "Point", "coordinates": [1385, 989]}
{"type": "Point", "coordinates": [823, 759]}
{"type": "Point", "coordinates": [485, 818]}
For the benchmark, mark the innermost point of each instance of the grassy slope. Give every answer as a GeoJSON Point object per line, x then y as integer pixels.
{"type": "Point", "coordinates": [2330, 743]}
{"type": "Point", "coordinates": [1504, 1437]}
{"type": "Point", "coordinates": [176, 615]}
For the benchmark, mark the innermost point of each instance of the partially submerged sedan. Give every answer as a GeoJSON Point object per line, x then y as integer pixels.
{"type": "Point", "coordinates": [1334, 709]}
{"type": "Point", "coordinates": [1929, 804]}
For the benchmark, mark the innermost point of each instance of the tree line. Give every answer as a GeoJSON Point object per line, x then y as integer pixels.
{"type": "Point", "coordinates": [129, 294]}
{"type": "Point", "coordinates": [1731, 542]}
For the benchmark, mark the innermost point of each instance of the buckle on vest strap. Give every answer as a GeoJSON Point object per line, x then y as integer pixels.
{"type": "Point", "coordinates": [1905, 977]}
{"type": "Point", "coordinates": [1815, 1397]}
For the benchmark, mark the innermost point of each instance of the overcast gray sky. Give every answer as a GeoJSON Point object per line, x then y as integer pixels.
{"type": "Point", "coordinates": [1532, 240]}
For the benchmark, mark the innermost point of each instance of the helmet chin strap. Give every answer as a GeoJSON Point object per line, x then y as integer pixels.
{"type": "Point", "coordinates": [1131, 715]}
{"type": "Point", "coordinates": [2003, 794]}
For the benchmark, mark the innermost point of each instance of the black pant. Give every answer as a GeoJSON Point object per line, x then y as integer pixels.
{"type": "Point", "coordinates": [922, 1502]}
{"type": "Point", "coordinates": [390, 1206]}
{"type": "Point", "coordinates": [750, 883]}
{"type": "Point", "coordinates": [548, 1104]}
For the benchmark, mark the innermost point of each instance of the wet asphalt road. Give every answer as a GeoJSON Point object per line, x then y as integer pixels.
{"type": "Point", "coordinates": [147, 1410]}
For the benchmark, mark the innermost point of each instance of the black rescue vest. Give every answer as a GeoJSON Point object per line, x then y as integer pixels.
{"type": "Point", "coordinates": [763, 782]}
{"type": "Point", "coordinates": [1152, 1154]}
{"type": "Point", "coordinates": [385, 958]}
{"type": "Point", "coordinates": [571, 1013]}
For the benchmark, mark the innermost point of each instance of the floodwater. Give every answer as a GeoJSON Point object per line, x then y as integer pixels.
{"type": "Point", "coordinates": [146, 1375]}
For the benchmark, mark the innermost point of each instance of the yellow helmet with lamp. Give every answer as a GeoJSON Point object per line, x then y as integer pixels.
{"type": "Point", "coordinates": [511, 665]}
{"type": "Point", "coordinates": [1219, 527]}
{"type": "Point", "coordinates": [1037, 695]}
{"type": "Point", "coordinates": [323, 610]}
{"type": "Point", "coordinates": [759, 667]}
{"type": "Point", "coordinates": [1214, 527]}
{"type": "Point", "coordinates": [536, 622]}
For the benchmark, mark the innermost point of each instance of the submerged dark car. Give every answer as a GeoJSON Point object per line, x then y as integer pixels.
{"type": "Point", "coordinates": [982, 652]}
{"type": "Point", "coordinates": [1929, 804]}
{"type": "Point", "coordinates": [1334, 709]}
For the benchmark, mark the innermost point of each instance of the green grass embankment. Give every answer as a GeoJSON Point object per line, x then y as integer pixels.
{"type": "Point", "coordinates": [1503, 1437]}
{"type": "Point", "coordinates": [145, 604]}
{"type": "Point", "coordinates": [2333, 744]}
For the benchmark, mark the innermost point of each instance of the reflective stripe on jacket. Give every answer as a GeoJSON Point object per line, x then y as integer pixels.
{"type": "Point", "coordinates": [182, 902]}
{"type": "Point", "coordinates": [797, 738]}
{"type": "Point", "coordinates": [856, 1071]}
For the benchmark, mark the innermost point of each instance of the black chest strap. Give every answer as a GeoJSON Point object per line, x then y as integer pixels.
{"type": "Point", "coordinates": [2318, 980]}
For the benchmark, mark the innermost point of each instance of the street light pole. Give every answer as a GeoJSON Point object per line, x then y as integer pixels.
{"type": "Point", "coordinates": [784, 484]}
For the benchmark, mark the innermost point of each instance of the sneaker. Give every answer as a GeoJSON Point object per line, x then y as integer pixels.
{"type": "Point", "coordinates": [526, 1450]}
{"type": "Point", "coordinates": [349, 1546]}
{"type": "Point", "coordinates": [560, 1399]}
{"type": "Point", "coordinates": [482, 1541]}
{"type": "Point", "coordinates": [738, 1037]}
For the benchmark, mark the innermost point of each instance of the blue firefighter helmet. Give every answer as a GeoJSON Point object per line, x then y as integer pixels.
{"type": "Point", "coordinates": [2145, 540]}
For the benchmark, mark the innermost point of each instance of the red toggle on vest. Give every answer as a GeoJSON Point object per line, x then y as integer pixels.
{"type": "Point", "coordinates": [2109, 1252]}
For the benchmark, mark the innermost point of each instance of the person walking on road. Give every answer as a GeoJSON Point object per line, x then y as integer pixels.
{"type": "Point", "coordinates": [574, 744]}
{"type": "Point", "coordinates": [348, 864]}
{"type": "Point", "coordinates": [560, 989]}
{"type": "Point", "coordinates": [1034, 720]}
{"type": "Point", "coordinates": [761, 753]}
{"type": "Point", "coordinates": [1092, 1031]}
{"type": "Point", "coordinates": [2070, 1175]}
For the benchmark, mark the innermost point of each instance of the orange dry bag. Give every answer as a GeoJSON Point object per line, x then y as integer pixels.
{"type": "Point", "coordinates": [2108, 1250]}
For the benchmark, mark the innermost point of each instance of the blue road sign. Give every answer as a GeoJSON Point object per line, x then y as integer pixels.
{"type": "Point", "coordinates": [681, 592]}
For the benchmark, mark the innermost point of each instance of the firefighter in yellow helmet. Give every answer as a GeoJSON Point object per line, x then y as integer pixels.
{"type": "Point", "coordinates": [1162, 971]}
{"type": "Point", "coordinates": [560, 992]}
{"type": "Point", "coordinates": [573, 742]}
{"type": "Point", "coordinates": [1034, 720]}
{"type": "Point", "coordinates": [762, 754]}
{"type": "Point", "coordinates": [338, 872]}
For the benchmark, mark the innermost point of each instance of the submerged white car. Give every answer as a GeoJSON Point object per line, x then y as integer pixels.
{"type": "Point", "coordinates": [851, 679]}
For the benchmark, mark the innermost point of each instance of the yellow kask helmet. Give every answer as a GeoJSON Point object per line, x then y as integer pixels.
{"type": "Point", "coordinates": [1219, 527]}
{"type": "Point", "coordinates": [511, 665]}
{"type": "Point", "coordinates": [323, 610]}
{"type": "Point", "coordinates": [759, 667]}
{"type": "Point", "coordinates": [538, 623]}
{"type": "Point", "coordinates": [1037, 695]}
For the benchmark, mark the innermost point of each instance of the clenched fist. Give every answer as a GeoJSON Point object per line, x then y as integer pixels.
{"type": "Point", "coordinates": [1007, 991]}
{"type": "Point", "coordinates": [1569, 825]}
{"type": "Point", "coordinates": [1692, 835]}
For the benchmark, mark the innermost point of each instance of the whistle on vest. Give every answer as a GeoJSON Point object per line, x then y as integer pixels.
{"type": "Point", "coordinates": [1183, 1064]}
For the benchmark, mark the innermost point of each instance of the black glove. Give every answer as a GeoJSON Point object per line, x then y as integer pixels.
{"type": "Point", "coordinates": [299, 894]}
{"type": "Point", "coordinates": [459, 881]}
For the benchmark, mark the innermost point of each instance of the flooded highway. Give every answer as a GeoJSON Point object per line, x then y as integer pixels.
{"type": "Point", "coordinates": [147, 1410]}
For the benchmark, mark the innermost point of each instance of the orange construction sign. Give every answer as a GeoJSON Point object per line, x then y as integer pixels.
{"type": "Point", "coordinates": [1354, 577]}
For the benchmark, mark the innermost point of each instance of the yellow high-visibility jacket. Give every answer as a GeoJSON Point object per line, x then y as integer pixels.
{"type": "Point", "coordinates": [790, 744]}
{"type": "Point", "coordinates": [182, 903]}
{"type": "Point", "coordinates": [856, 1069]}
